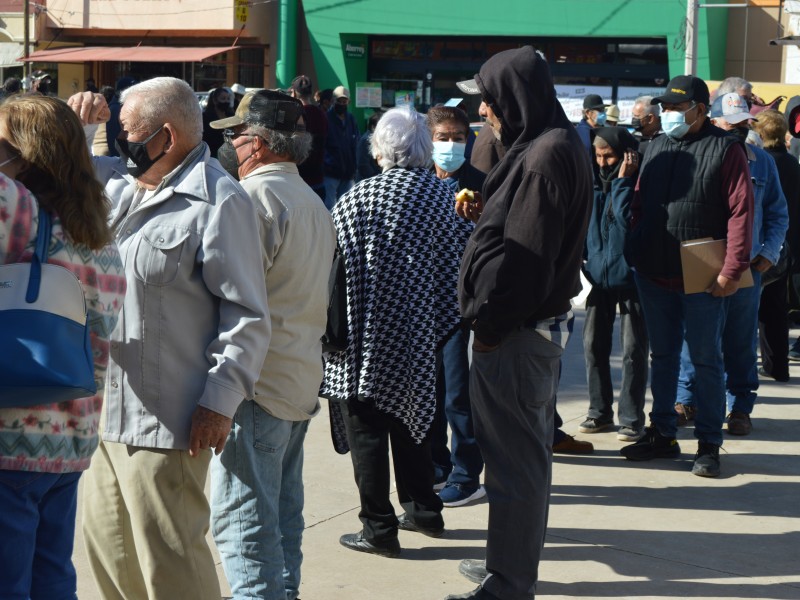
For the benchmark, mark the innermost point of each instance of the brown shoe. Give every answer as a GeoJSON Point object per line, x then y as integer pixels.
{"type": "Point", "coordinates": [569, 445]}
{"type": "Point", "coordinates": [739, 423]}
{"type": "Point", "coordinates": [686, 413]}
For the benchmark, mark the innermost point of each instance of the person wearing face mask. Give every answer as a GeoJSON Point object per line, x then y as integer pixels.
{"type": "Point", "coordinates": [367, 166]}
{"type": "Point", "coordinates": [694, 183]}
{"type": "Point", "coordinates": [594, 116]}
{"type": "Point", "coordinates": [458, 469]}
{"type": "Point", "coordinates": [730, 113]}
{"type": "Point", "coordinates": [257, 494]}
{"type": "Point", "coordinates": [645, 122]}
{"type": "Point", "coordinates": [612, 285]}
{"type": "Point", "coordinates": [340, 147]}
{"type": "Point", "coordinates": [218, 107]}
{"type": "Point", "coordinates": [193, 334]}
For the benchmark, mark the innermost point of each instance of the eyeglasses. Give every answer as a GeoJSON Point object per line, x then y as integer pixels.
{"type": "Point", "coordinates": [229, 135]}
{"type": "Point", "coordinates": [671, 107]}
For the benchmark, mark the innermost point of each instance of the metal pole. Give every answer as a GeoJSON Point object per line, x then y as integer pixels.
{"type": "Point", "coordinates": [690, 64]}
{"type": "Point", "coordinates": [26, 37]}
{"type": "Point", "coordinates": [744, 46]}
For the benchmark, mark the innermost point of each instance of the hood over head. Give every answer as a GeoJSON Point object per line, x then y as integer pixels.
{"type": "Point", "coordinates": [792, 113]}
{"type": "Point", "coordinates": [517, 85]}
{"type": "Point", "coordinates": [618, 138]}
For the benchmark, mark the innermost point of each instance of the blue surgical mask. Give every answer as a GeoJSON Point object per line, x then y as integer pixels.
{"type": "Point", "coordinates": [674, 123]}
{"type": "Point", "coordinates": [449, 155]}
{"type": "Point", "coordinates": [600, 119]}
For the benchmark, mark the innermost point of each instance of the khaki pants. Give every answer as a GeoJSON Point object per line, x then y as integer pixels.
{"type": "Point", "coordinates": [145, 519]}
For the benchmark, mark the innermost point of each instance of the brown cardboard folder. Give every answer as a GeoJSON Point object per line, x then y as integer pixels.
{"type": "Point", "coordinates": [702, 261]}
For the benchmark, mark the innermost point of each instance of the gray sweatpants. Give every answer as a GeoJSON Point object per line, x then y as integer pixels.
{"type": "Point", "coordinates": [513, 391]}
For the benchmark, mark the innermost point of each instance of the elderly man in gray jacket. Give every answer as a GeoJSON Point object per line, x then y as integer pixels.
{"type": "Point", "coordinates": [190, 343]}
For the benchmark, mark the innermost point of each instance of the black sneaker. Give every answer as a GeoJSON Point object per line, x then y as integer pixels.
{"type": "Point", "coordinates": [706, 461]}
{"type": "Point", "coordinates": [591, 425]}
{"type": "Point", "coordinates": [652, 445]}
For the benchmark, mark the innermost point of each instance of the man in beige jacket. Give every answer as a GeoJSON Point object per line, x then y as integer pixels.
{"type": "Point", "coordinates": [257, 482]}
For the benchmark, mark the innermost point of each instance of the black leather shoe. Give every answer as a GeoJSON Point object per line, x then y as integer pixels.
{"type": "Point", "coordinates": [406, 524]}
{"type": "Point", "coordinates": [477, 594]}
{"type": "Point", "coordinates": [474, 570]}
{"type": "Point", "coordinates": [357, 542]}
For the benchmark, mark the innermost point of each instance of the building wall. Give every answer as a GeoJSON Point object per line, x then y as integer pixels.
{"type": "Point", "coordinates": [332, 25]}
{"type": "Point", "coordinates": [748, 52]}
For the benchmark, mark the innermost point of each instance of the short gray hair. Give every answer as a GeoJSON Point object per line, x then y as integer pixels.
{"type": "Point", "coordinates": [649, 109]}
{"type": "Point", "coordinates": [168, 99]}
{"type": "Point", "coordinates": [296, 145]}
{"type": "Point", "coordinates": [402, 139]}
{"type": "Point", "coordinates": [733, 84]}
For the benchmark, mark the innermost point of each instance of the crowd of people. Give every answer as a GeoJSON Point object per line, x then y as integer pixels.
{"type": "Point", "coordinates": [205, 244]}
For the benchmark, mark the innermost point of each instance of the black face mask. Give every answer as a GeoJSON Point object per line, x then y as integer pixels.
{"type": "Point", "coordinates": [740, 133]}
{"type": "Point", "coordinates": [340, 109]}
{"type": "Point", "coordinates": [636, 123]}
{"type": "Point", "coordinates": [43, 88]}
{"type": "Point", "coordinates": [138, 162]}
{"type": "Point", "coordinates": [226, 155]}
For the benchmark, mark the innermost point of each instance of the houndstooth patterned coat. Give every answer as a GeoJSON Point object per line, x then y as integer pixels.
{"type": "Point", "coordinates": [402, 243]}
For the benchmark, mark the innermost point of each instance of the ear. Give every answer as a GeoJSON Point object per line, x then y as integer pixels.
{"type": "Point", "coordinates": [172, 137]}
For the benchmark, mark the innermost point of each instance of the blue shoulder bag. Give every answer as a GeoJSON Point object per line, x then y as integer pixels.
{"type": "Point", "coordinates": [45, 354]}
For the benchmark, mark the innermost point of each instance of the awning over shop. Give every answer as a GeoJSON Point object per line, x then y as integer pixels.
{"type": "Point", "coordinates": [134, 54]}
{"type": "Point", "coordinates": [9, 54]}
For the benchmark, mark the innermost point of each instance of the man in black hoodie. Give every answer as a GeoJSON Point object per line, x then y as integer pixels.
{"type": "Point", "coordinates": [519, 271]}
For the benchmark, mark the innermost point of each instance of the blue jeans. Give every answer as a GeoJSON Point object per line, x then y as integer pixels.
{"type": "Point", "coordinates": [598, 333]}
{"type": "Point", "coordinates": [739, 342]}
{"type": "Point", "coordinates": [335, 189]}
{"type": "Point", "coordinates": [463, 461]}
{"type": "Point", "coordinates": [257, 504]}
{"type": "Point", "coordinates": [37, 521]}
{"type": "Point", "coordinates": [670, 316]}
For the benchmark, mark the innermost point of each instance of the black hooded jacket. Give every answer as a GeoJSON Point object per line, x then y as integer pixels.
{"type": "Point", "coordinates": [523, 260]}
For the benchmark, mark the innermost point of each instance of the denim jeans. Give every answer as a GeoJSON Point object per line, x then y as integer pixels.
{"type": "Point", "coordinates": [257, 504]}
{"type": "Point", "coordinates": [740, 357]}
{"type": "Point", "coordinates": [670, 316]}
{"type": "Point", "coordinates": [463, 461]}
{"type": "Point", "coordinates": [598, 330]}
{"type": "Point", "coordinates": [37, 521]}
{"type": "Point", "coordinates": [335, 189]}
{"type": "Point", "coordinates": [513, 390]}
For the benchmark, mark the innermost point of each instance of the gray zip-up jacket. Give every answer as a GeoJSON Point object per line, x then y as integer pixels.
{"type": "Point", "coordinates": [194, 327]}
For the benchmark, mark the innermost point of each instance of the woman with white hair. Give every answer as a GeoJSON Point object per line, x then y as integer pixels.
{"type": "Point", "coordinates": [400, 238]}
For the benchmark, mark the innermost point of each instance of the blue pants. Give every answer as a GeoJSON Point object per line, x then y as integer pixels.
{"type": "Point", "coordinates": [335, 189]}
{"type": "Point", "coordinates": [37, 530]}
{"type": "Point", "coordinates": [740, 356]}
{"type": "Point", "coordinates": [463, 461]}
{"type": "Point", "coordinates": [257, 504]}
{"type": "Point", "coordinates": [672, 316]}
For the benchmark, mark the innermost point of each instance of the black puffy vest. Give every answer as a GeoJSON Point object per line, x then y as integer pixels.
{"type": "Point", "coordinates": [681, 199]}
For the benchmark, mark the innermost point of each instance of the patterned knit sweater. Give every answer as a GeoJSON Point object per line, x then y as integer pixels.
{"type": "Point", "coordinates": [58, 438]}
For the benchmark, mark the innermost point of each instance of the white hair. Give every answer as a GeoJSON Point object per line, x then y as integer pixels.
{"type": "Point", "coordinates": [402, 139]}
{"type": "Point", "coordinates": [168, 99]}
{"type": "Point", "coordinates": [649, 109]}
{"type": "Point", "coordinates": [733, 84]}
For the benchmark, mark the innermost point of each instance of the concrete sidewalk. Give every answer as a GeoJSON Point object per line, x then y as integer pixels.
{"type": "Point", "coordinates": [617, 529]}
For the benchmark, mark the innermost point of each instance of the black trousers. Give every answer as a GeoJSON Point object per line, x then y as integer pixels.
{"type": "Point", "coordinates": [773, 328]}
{"type": "Point", "coordinates": [369, 433]}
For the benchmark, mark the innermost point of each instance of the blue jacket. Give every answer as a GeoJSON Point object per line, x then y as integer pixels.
{"type": "Point", "coordinates": [340, 147]}
{"type": "Point", "coordinates": [771, 215]}
{"type": "Point", "coordinates": [605, 266]}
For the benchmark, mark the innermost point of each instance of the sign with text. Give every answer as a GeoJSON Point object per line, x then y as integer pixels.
{"type": "Point", "coordinates": [368, 94]}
